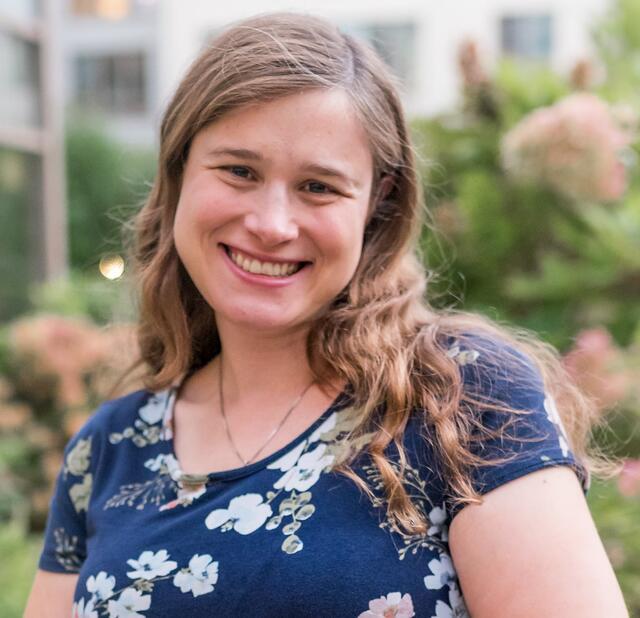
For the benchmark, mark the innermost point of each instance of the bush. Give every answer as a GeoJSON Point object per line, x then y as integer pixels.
{"type": "Point", "coordinates": [617, 518]}
{"type": "Point", "coordinates": [57, 370]}
{"type": "Point", "coordinates": [17, 568]}
{"type": "Point", "coordinates": [105, 185]}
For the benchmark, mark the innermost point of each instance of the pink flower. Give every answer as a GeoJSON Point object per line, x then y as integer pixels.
{"type": "Point", "coordinates": [598, 366]}
{"type": "Point", "coordinates": [629, 478]}
{"type": "Point", "coordinates": [76, 353]}
{"type": "Point", "coordinates": [574, 147]}
{"type": "Point", "coordinates": [393, 605]}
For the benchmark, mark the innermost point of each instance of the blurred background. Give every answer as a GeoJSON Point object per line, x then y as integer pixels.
{"type": "Point", "coordinates": [525, 116]}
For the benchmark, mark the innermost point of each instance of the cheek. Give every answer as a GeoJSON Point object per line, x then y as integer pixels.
{"type": "Point", "coordinates": [182, 231]}
{"type": "Point", "coordinates": [197, 213]}
{"type": "Point", "coordinates": [342, 240]}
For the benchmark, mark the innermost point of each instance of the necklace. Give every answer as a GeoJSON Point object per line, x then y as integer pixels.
{"type": "Point", "coordinates": [273, 433]}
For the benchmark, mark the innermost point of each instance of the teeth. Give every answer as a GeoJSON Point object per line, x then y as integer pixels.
{"type": "Point", "coordinates": [263, 268]}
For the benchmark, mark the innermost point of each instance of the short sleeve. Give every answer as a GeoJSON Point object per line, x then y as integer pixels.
{"type": "Point", "coordinates": [66, 531]}
{"type": "Point", "coordinates": [527, 442]}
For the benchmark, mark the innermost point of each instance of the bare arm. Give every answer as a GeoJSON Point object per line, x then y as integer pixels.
{"type": "Point", "coordinates": [51, 595]}
{"type": "Point", "coordinates": [532, 549]}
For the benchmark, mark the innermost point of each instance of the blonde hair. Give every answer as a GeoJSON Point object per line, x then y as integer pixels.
{"type": "Point", "coordinates": [380, 334]}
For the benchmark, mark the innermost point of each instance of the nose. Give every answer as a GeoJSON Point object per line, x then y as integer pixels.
{"type": "Point", "coordinates": [271, 217]}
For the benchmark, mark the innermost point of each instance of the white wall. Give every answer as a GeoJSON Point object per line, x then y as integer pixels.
{"type": "Point", "coordinates": [441, 27]}
{"type": "Point", "coordinates": [87, 36]}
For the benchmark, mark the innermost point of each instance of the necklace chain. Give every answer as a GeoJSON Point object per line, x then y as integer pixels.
{"type": "Point", "coordinates": [273, 433]}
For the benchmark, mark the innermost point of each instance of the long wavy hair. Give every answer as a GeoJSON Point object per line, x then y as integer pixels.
{"type": "Point", "coordinates": [380, 334]}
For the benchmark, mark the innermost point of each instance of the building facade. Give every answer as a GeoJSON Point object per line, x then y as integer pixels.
{"type": "Point", "coordinates": [33, 230]}
{"type": "Point", "coordinates": [125, 57]}
{"type": "Point", "coordinates": [418, 38]}
{"type": "Point", "coordinates": [111, 64]}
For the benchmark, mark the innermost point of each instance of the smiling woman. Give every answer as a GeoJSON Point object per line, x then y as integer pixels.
{"type": "Point", "coordinates": [307, 414]}
{"type": "Point", "coordinates": [246, 188]}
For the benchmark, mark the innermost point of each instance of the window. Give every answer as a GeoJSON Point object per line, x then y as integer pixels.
{"type": "Point", "coordinates": [21, 9]}
{"type": "Point", "coordinates": [106, 9]}
{"type": "Point", "coordinates": [20, 197]}
{"type": "Point", "coordinates": [527, 36]}
{"type": "Point", "coordinates": [114, 84]}
{"type": "Point", "coordinates": [110, 9]}
{"type": "Point", "coordinates": [32, 246]}
{"type": "Point", "coordinates": [394, 42]}
{"type": "Point", "coordinates": [19, 81]}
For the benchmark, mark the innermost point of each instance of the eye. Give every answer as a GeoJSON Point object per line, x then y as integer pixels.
{"type": "Point", "coordinates": [239, 171]}
{"type": "Point", "coordinates": [319, 188]}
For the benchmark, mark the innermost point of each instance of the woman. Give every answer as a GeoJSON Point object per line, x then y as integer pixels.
{"type": "Point", "coordinates": [314, 438]}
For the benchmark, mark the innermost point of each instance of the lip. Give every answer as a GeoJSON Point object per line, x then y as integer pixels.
{"type": "Point", "coordinates": [264, 280]}
{"type": "Point", "coordinates": [263, 258]}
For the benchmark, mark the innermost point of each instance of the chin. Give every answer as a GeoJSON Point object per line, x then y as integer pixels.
{"type": "Point", "coordinates": [264, 322]}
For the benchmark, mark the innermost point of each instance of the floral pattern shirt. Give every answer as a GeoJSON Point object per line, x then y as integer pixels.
{"type": "Point", "coordinates": [284, 536]}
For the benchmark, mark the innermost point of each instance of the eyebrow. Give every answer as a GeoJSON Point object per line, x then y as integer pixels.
{"type": "Point", "coordinates": [316, 168]}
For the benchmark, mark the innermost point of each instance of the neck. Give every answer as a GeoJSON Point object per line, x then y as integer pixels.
{"type": "Point", "coordinates": [258, 366]}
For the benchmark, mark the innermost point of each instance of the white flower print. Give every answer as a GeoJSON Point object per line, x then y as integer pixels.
{"type": "Point", "coordinates": [456, 607]}
{"type": "Point", "coordinates": [393, 605]}
{"type": "Point", "coordinates": [101, 586]}
{"type": "Point", "coordinates": [438, 528]}
{"type": "Point", "coordinates": [554, 416]}
{"type": "Point", "coordinates": [462, 357]}
{"type": "Point", "coordinates": [328, 425]}
{"type": "Point", "coordinates": [287, 461]}
{"type": "Point", "coordinates": [457, 603]}
{"type": "Point", "coordinates": [443, 573]}
{"type": "Point", "coordinates": [128, 604]}
{"type": "Point", "coordinates": [150, 565]}
{"type": "Point", "coordinates": [82, 610]}
{"type": "Point", "coordinates": [443, 610]}
{"type": "Point", "coordinates": [199, 577]}
{"type": "Point", "coordinates": [77, 461]}
{"type": "Point", "coordinates": [245, 514]}
{"type": "Point", "coordinates": [307, 470]}
{"type": "Point", "coordinates": [166, 461]}
{"type": "Point", "coordinates": [153, 411]}
{"type": "Point", "coordinates": [155, 463]}
{"type": "Point", "coordinates": [80, 493]}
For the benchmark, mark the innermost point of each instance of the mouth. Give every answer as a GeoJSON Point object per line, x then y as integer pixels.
{"type": "Point", "coordinates": [266, 269]}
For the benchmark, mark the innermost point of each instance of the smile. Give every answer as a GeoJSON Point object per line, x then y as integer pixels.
{"type": "Point", "coordinates": [271, 269]}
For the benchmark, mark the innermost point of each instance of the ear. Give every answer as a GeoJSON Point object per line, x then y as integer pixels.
{"type": "Point", "coordinates": [384, 187]}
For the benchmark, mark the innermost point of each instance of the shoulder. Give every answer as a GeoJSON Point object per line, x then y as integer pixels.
{"type": "Point", "coordinates": [498, 371]}
{"type": "Point", "coordinates": [112, 413]}
{"type": "Point", "coordinates": [511, 424]}
{"type": "Point", "coordinates": [113, 417]}
{"type": "Point", "coordinates": [529, 530]}
{"type": "Point", "coordinates": [482, 356]}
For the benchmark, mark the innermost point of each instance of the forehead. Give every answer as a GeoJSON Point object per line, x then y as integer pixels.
{"type": "Point", "coordinates": [311, 125]}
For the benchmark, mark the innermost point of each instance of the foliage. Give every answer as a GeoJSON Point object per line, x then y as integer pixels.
{"type": "Point", "coordinates": [55, 371]}
{"type": "Point", "coordinates": [531, 251]}
{"type": "Point", "coordinates": [105, 184]}
{"type": "Point", "coordinates": [17, 568]}
{"type": "Point", "coordinates": [617, 39]}
{"type": "Point", "coordinates": [617, 518]}
{"type": "Point", "coordinates": [89, 296]}
{"type": "Point", "coordinates": [17, 195]}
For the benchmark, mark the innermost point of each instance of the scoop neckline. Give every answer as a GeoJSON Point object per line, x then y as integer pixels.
{"type": "Point", "coordinates": [340, 401]}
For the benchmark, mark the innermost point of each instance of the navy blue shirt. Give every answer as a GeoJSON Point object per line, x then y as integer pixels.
{"type": "Point", "coordinates": [284, 536]}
